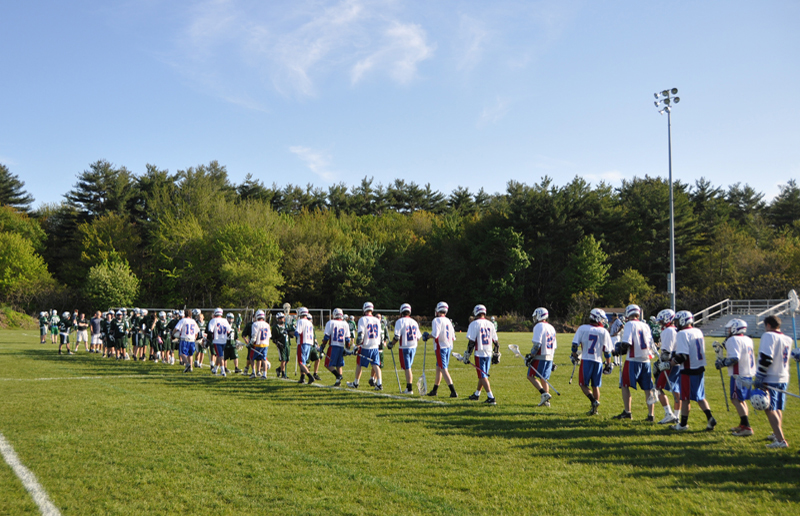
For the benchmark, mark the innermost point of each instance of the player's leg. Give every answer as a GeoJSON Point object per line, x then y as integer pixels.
{"type": "Point", "coordinates": [408, 360]}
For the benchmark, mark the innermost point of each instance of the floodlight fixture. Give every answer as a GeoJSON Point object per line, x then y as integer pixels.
{"type": "Point", "coordinates": [674, 91]}
{"type": "Point", "coordinates": [676, 99]}
{"type": "Point", "coordinates": [665, 93]}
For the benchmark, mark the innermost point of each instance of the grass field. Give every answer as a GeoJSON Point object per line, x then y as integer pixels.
{"type": "Point", "coordinates": [108, 437]}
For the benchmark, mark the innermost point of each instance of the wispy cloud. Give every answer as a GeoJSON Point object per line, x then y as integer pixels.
{"type": "Point", "coordinates": [471, 40]}
{"type": "Point", "coordinates": [317, 162]}
{"type": "Point", "coordinates": [402, 48]}
{"type": "Point", "coordinates": [611, 176]}
{"type": "Point", "coordinates": [493, 113]}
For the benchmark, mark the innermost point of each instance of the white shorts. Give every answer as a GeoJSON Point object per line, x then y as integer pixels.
{"type": "Point", "coordinates": [97, 339]}
{"type": "Point", "coordinates": [83, 336]}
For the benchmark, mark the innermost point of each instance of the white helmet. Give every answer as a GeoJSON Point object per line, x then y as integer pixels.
{"type": "Point", "coordinates": [136, 311]}
{"type": "Point", "coordinates": [218, 312]}
{"type": "Point", "coordinates": [280, 315]}
{"type": "Point", "coordinates": [368, 307]}
{"type": "Point", "coordinates": [540, 314]}
{"type": "Point", "coordinates": [665, 317]}
{"type": "Point", "coordinates": [310, 317]}
{"type": "Point", "coordinates": [683, 318]}
{"type": "Point", "coordinates": [260, 314]}
{"type": "Point", "coordinates": [736, 327]}
{"type": "Point", "coordinates": [195, 313]}
{"type": "Point", "coordinates": [598, 315]}
{"type": "Point", "coordinates": [352, 317]}
{"type": "Point", "coordinates": [759, 399]}
{"type": "Point", "coordinates": [144, 311]}
{"type": "Point", "coordinates": [53, 311]}
{"type": "Point", "coordinates": [119, 313]}
{"type": "Point", "coordinates": [229, 316]}
{"type": "Point", "coordinates": [302, 311]}
{"type": "Point", "coordinates": [162, 314]}
{"type": "Point", "coordinates": [632, 310]}
{"type": "Point", "coordinates": [65, 315]}
{"type": "Point", "coordinates": [405, 307]}
{"type": "Point", "coordinates": [442, 307]}
{"type": "Point", "coordinates": [337, 313]}
{"type": "Point", "coordinates": [479, 309]}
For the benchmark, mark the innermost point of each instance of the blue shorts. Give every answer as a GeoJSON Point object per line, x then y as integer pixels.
{"type": "Point", "coordinates": [739, 391]}
{"type": "Point", "coordinates": [303, 350]}
{"type": "Point", "coordinates": [544, 367]}
{"type": "Point", "coordinates": [693, 387]}
{"type": "Point", "coordinates": [443, 357]}
{"type": "Point", "coordinates": [777, 400]}
{"type": "Point", "coordinates": [370, 357]}
{"type": "Point", "coordinates": [483, 364]}
{"type": "Point", "coordinates": [220, 349]}
{"type": "Point", "coordinates": [334, 357]}
{"type": "Point", "coordinates": [186, 348]}
{"type": "Point", "coordinates": [634, 373]}
{"type": "Point", "coordinates": [406, 357]}
{"type": "Point", "coordinates": [590, 373]}
{"type": "Point", "coordinates": [259, 353]}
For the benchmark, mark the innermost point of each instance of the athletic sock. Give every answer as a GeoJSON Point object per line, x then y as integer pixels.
{"type": "Point", "coordinates": [435, 388]}
{"type": "Point", "coordinates": [684, 420]}
{"type": "Point", "coordinates": [452, 388]}
{"type": "Point", "coordinates": [707, 413]}
{"type": "Point", "coordinates": [408, 387]}
{"type": "Point", "coordinates": [744, 421]}
{"type": "Point", "coordinates": [591, 397]}
{"type": "Point", "coordinates": [541, 391]}
{"type": "Point", "coordinates": [667, 410]}
{"type": "Point", "coordinates": [477, 393]}
{"type": "Point", "coordinates": [490, 395]}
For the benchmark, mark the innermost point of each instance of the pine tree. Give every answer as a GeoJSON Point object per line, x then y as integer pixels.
{"type": "Point", "coordinates": [12, 192]}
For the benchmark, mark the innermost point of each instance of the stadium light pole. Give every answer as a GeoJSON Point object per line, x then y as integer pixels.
{"type": "Point", "coordinates": [664, 102]}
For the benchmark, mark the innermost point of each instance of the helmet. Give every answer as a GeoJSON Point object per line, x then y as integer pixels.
{"type": "Point", "coordinates": [218, 312]}
{"type": "Point", "coordinates": [65, 315]}
{"type": "Point", "coordinates": [309, 317]}
{"type": "Point", "coordinates": [759, 399]}
{"type": "Point", "coordinates": [368, 307]}
{"type": "Point", "coordinates": [621, 316]}
{"type": "Point", "coordinates": [119, 313]}
{"type": "Point", "coordinates": [665, 317]}
{"type": "Point", "coordinates": [136, 311]}
{"type": "Point", "coordinates": [260, 314]}
{"type": "Point", "coordinates": [442, 307]}
{"type": "Point", "coordinates": [124, 310]}
{"type": "Point", "coordinates": [405, 307]}
{"type": "Point", "coordinates": [352, 317]}
{"type": "Point", "coordinates": [683, 318]}
{"type": "Point", "coordinates": [736, 327]}
{"type": "Point", "coordinates": [337, 313]}
{"type": "Point", "coordinates": [195, 313]}
{"type": "Point", "coordinates": [302, 311]}
{"type": "Point", "coordinates": [632, 310]}
{"type": "Point", "coordinates": [162, 314]}
{"type": "Point", "coordinates": [540, 314]}
{"type": "Point", "coordinates": [479, 309]}
{"type": "Point", "coordinates": [53, 311]}
{"type": "Point", "coordinates": [229, 316]}
{"type": "Point", "coordinates": [144, 311]}
{"type": "Point", "coordinates": [280, 315]}
{"type": "Point", "coordinates": [494, 318]}
{"type": "Point", "coordinates": [598, 315]}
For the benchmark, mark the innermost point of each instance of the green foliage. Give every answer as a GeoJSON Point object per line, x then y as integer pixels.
{"type": "Point", "coordinates": [629, 287]}
{"type": "Point", "coordinates": [14, 221]}
{"type": "Point", "coordinates": [248, 266]}
{"type": "Point", "coordinates": [587, 270]}
{"type": "Point", "coordinates": [11, 319]}
{"type": "Point", "coordinates": [111, 284]}
{"type": "Point", "coordinates": [785, 209]}
{"type": "Point", "coordinates": [12, 192]}
{"type": "Point", "coordinates": [108, 238]}
{"type": "Point", "coordinates": [100, 190]}
{"type": "Point", "coordinates": [23, 273]}
{"type": "Point", "coordinates": [500, 260]}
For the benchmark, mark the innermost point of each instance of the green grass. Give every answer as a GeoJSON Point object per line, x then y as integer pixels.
{"type": "Point", "coordinates": [168, 443]}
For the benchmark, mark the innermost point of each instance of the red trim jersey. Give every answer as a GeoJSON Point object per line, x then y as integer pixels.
{"type": "Point", "coordinates": [638, 335]}
{"type": "Point", "coordinates": [305, 332]}
{"type": "Point", "coordinates": [261, 333]}
{"type": "Point", "coordinates": [219, 327]}
{"type": "Point", "coordinates": [594, 340]}
{"type": "Point", "coordinates": [369, 327]}
{"type": "Point", "coordinates": [778, 346]}
{"type": "Point", "coordinates": [668, 339]}
{"type": "Point", "coordinates": [442, 332]}
{"type": "Point", "coordinates": [188, 329]}
{"type": "Point", "coordinates": [337, 332]}
{"type": "Point", "coordinates": [484, 335]}
{"type": "Point", "coordinates": [407, 331]}
{"type": "Point", "coordinates": [545, 335]}
{"type": "Point", "coordinates": [691, 342]}
{"type": "Point", "coordinates": [741, 348]}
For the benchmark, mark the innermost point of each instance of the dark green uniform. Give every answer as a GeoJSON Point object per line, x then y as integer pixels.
{"type": "Point", "coordinates": [230, 347]}
{"type": "Point", "coordinates": [63, 329]}
{"type": "Point", "coordinates": [162, 331]}
{"type": "Point", "coordinates": [169, 344]}
{"type": "Point", "coordinates": [117, 333]}
{"type": "Point", "coordinates": [281, 336]}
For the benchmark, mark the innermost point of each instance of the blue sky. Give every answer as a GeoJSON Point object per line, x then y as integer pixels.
{"type": "Point", "coordinates": [471, 93]}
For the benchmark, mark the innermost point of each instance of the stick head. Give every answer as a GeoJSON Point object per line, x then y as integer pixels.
{"type": "Point", "coordinates": [515, 349]}
{"type": "Point", "coordinates": [794, 302]}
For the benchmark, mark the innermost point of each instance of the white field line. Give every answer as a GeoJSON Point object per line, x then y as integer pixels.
{"type": "Point", "coordinates": [28, 479]}
{"type": "Point", "coordinates": [106, 377]}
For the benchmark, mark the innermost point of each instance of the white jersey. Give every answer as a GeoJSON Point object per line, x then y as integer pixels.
{"type": "Point", "coordinates": [406, 330]}
{"type": "Point", "coordinates": [187, 329]}
{"type": "Point", "coordinates": [545, 335]}
{"type": "Point", "coordinates": [219, 327]}
{"type": "Point", "coordinates": [443, 333]}
{"type": "Point", "coordinates": [741, 348]}
{"type": "Point", "coordinates": [594, 340]}
{"type": "Point", "coordinates": [337, 332]}
{"type": "Point", "coordinates": [692, 343]}
{"type": "Point", "coordinates": [304, 332]}
{"type": "Point", "coordinates": [778, 346]}
{"type": "Point", "coordinates": [260, 334]}
{"type": "Point", "coordinates": [668, 339]}
{"type": "Point", "coordinates": [484, 335]}
{"type": "Point", "coordinates": [638, 335]}
{"type": "Point", "coordinates": [369, 327]}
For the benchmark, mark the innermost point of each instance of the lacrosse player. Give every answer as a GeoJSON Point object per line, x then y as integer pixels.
{"type": "Point", "coordinates": [369, 340]}
{"type": "Point", "coordinates": [187, 331]}
{"type": "Point", "coordinates": [773, 372]}
{"type": "Point", "coordinates": [82, 325]}
{"type": "Point", "coordinates": [615, 331]}
{"type": "Point", "coordinates": [740, 361]}
{"type": "Point", "coordinates": [667, 375]}
{"type": "Point", "coordinates": [199, 318]}
{"type": "Point", "coordinates": [43, 320]}
{"type": "Point", "coordinates": [443, 337]}
{"type": "Point", "coordinates": [161, 336]}
{"type": "Point", "coordinates": [105, 328]}
{"type": "Point", "coordinates": [542, 352]}
{"type": "Point", "coordinates": [95, 323]}
{"type": "Point", "coordinates": [304, 333]}
{"type": "Point", "coordinates": [218, 330]}
{"type": "Point", "coordinates": [314, 353]}
{"type": "Point", "coordinates": [280, 336]}
{"type": "Point", "coordinates": [384, 340]}
{"type": "Point", "coordinates": [231, 352]}
{"type": "Point", "coordinates": [337, 333]}
{"type": "Point", "coordinates": [595, 343]}
{"type": "Point", "coordinates": [482, 339]}
{"type": "Point", "coordinates": [690, 353]}
{"type": "Point", "coordinates": [406, 331]}
{"type": "Point", "coordinates": [54, 320]}
{"type": "Point", "coordinates": [174, 343]}
{"type": "Point", "coordinates": [260, 334]}
{"type": "Point", "coordinates": [637, 345]}
{"type": "Point", "coordinates": [64, 325]}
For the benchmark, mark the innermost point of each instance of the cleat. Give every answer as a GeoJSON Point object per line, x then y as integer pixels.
{"type": "Point", "coordinates": [432, 393]}
{"type": "Point", "coordinates": [490, 401]}
{"type": "Point", "coordinates": [778, 444]}
{"type": "Point", "coordinates": [624, 415]}
{"type": "Point", "coordinates": [711, 424]}
{"type": "Point", "coordinates": [679, 427]}
{"type": "Point", "coordinates": [316, 377]}
{"type": "Point", "coordinates": [302, 379]}
{"type": "Point", "coordinates": [237, 371]}
{"type": "Point", "coordinates": [771, 437]}
{"type": "Point", "coordinates": [453, 395]}
{"type": "Point", "coordinates": [187, 369]}
{"type": "Point", "coordinates": [352, 385]}
{"type": "Point", "coordinates": [372, 382]}
{"type": "Point", "coordinates": [311, 379]}
{"type": "Point", "coordinates": [252, 375]}
{"type": "Point", "coordinates": [338, 382]}
{"type": "Point", "coordinates": [378, 387]}
{"type": "Point", "coordinates": [669, 419]}
{"type": "Point", "coordinates": [473, 397]}
{"type": "Point", "coordinates": [263, 376]}
{"type": "Point", "coordinates": [545, 399]}
{"type": "Point", "coordinates": [650, 419]}
{"type": "Point", "coordinates": [742, 431]}
{"type": "Point", "coordinates": [407, 391]}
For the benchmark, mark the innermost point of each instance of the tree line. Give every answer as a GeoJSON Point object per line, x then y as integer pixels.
{"type": "Point", "coordinates": [194, 237]}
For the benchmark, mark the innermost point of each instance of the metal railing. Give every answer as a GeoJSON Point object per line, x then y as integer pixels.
{"type": "Point", "coordinates": [719, 309]}
{"type": "Point", "coordinates": [778, 309]}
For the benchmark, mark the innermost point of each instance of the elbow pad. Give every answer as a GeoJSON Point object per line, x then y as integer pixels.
{"type": "Point", "coordinates": [679, 359]}
{"type": "Point", "coordinates": [764, 362]}
{"type": "Point", "coordinates": [470, 346]}
{"type": "Point", "coordinates": [606, 355]}
{"type": "Point", "coordinates": [574, 347]}
{"type": "Point", "coordinates": [730, 361]}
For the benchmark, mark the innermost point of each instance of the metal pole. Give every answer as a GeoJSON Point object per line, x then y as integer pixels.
{"type": "Point", "coordinates": [671, 219]}
{"type": "Point", "coordinates": [794, 334]}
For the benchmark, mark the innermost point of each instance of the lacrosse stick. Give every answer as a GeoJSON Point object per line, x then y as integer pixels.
{"type": "Point", "coordinates": [422, 383]}
{"type": "Point", "coordinates": [359, 355]}
{"type": "Point", "coordinates": [749, 383]}
{"type": "Point", "coordinates": [460, 358]}
{"type": "Point", "coordinates": [718, 350]}
{"type": "Point", "coordinates": [395, 371]}
{"type": "Point", "coordinates": [573, 372]}
{"type": "Point", "coordinates": [794, 303]}
{"type": "Point", "coordinates": [515, 349]}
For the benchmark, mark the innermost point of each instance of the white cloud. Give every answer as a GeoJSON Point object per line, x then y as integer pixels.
{"type": "Point", "coordinates": [402, 48]}
{"type": "Point", "coordinates": [611, 176]}
{"type": "Point", "coordinates": [317, 162]}
{"type": "Point", "coordinates": [472, 37]}
{"type": "Point", "coordinates": [494, 113]}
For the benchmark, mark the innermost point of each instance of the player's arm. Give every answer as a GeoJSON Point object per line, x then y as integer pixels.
{"type": "Point", "coordinates": [764, 361]}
